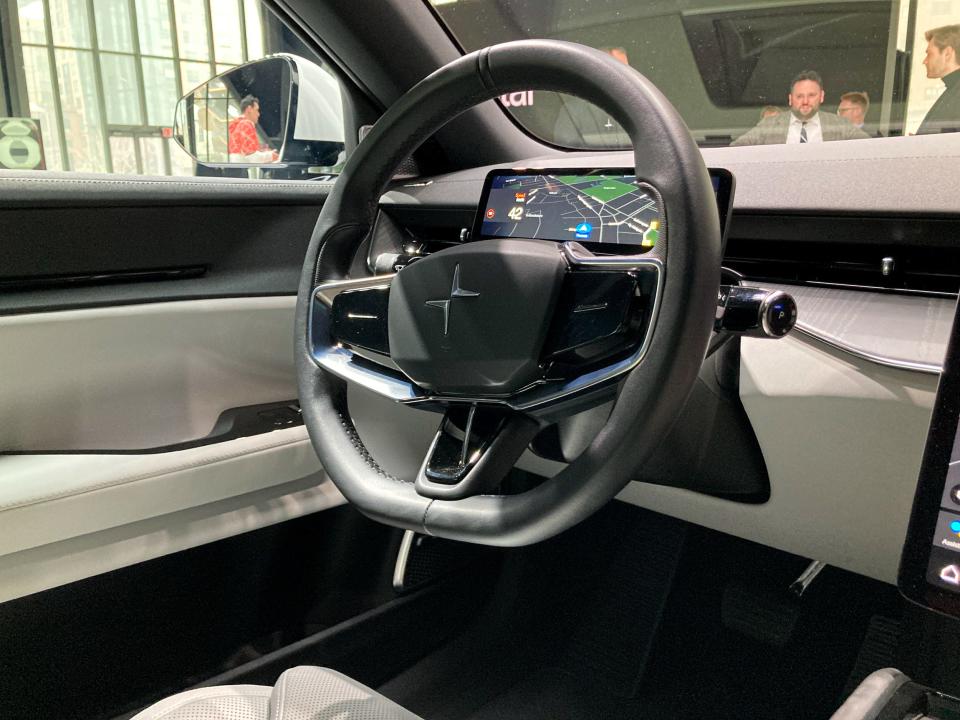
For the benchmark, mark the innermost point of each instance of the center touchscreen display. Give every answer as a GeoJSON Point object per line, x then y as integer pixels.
{"type": "Point", "coordinates": [607, 211]}
{"type": "Point", "coordinates": [943, 567]}
{"type": "Point", "coordinates": [930, 565]}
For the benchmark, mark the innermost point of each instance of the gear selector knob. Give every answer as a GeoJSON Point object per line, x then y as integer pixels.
{"type": "Point", "coordinates": [755, 312]}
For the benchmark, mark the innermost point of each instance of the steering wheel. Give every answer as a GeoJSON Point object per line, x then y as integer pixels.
{"type": "Point", "coordinates": [505, 336]}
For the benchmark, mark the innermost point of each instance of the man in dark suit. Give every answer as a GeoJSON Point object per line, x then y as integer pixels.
{"type": "Point", "coordinates": [943, 61]}
{"type": "Point", "coordinates": [804, 123]}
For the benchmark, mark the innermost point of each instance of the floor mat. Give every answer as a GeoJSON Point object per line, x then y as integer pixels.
{"type": "Point", "coordinates": [621, 618]}
{"type": "Point", "coordinates": [572, 620]}
{"type": "Point", "coordinates": [556, 694]}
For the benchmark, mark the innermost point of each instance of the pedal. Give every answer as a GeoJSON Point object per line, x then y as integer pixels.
{"type": "Point", "coordinates": [799, 586]}
{"type": "Point", "coordinates": [879, 650]}
{"type": "Point", "coordinates": [423, 559]}
{"type": "Point", "coordinates": [762, 614]}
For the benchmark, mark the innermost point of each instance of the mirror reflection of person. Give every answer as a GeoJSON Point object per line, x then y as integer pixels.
{"type": "Point", "coordinates": [243, 139]}
{"type": "Point", "coordinates": [804, 123]}
{"type": "Point", "coordinates": [943, 61]}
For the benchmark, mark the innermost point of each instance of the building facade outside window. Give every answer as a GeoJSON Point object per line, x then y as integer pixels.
{"type": "Point", "coordinates": [102, 77]}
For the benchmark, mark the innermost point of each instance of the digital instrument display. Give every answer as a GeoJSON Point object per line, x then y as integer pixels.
{"type": "Point", "coordinates": [604, 210]}
{"type": "Point", "coordinates": [593, 208]}
{"type": "Point", "coordinates": [930, 565]}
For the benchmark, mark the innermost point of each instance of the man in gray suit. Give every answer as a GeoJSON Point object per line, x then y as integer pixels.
{"type": "Point", "coordinates": [804, 123]}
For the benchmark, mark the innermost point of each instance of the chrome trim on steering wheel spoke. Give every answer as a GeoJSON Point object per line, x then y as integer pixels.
{"type": "Point", "coordinates": [326, 292]}
{"type": "Point", "coordinates": [581, 258]}
{"type": "Point", "coordinates": [547, 394]}
{"type": "Point", "coordinates": [373, 371]}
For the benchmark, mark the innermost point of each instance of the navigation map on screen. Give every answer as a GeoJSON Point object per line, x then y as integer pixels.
{"type": "Point", "coordinates": [609, 209]}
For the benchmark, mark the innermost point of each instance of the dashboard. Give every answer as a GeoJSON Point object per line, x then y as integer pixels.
{"type": "Point", "coordinates": [839, 410]}
{"type": "Point", "coordinates": [840, 415]}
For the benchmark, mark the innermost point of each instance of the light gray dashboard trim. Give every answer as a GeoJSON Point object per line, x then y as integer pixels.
{"type": "Point", "coordinates": [906, 332]}
{"type": "Point", "coordinates": [864, 355]}
{"type": "Point", "coordinates": [842, 439]}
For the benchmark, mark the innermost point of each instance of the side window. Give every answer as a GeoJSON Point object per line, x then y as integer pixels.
{"type": "Point", "coordinates": [93, 85]}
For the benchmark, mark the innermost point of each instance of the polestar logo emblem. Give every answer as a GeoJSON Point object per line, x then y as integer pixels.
{"type": "Point", "coordinates": [455, 292]}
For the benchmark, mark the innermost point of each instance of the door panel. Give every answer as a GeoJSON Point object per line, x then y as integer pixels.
{"type": "Point", "coordinates": [67, 517]}
{"type": "Point", "coordinates": [70, 243]}
{"type": "Point", "coordinates": [140, 376]}
{"type": "Point", "coordinates": [103, 357]}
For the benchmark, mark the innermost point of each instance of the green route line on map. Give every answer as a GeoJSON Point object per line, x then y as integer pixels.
{"type": "Point", "coordinates": [604, 188]}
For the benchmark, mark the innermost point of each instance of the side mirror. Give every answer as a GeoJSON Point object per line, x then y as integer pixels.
{"type": "Point", "coordinates": [281, 111]}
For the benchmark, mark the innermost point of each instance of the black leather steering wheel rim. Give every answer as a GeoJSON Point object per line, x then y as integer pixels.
{"type": "Point", "coordinates": [651, 396]}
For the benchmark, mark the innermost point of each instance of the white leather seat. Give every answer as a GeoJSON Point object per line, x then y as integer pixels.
{"type": "Point", "coordinates": [872, 695]}
{"type": "Point", "coordinates": [301, 693]}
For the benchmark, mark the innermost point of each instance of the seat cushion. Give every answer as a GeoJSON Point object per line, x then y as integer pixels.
{"type": "Point", "coordinates": [301, 693]}
{"type": "Point", "coordinates": [872, 696]}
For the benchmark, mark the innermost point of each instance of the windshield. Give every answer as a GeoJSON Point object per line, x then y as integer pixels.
{"type": "Point", "coordinates": [747, 73]}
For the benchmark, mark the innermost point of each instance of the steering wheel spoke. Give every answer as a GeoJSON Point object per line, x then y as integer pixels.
{"type": "Point", "coordinates": [474, 448]}
{"type": "Point", "coordinates": [596, 329]}
{"type": "Point", "coordinates": [603, 317]}
{"type": "Point", "coordinates": [348, 335]}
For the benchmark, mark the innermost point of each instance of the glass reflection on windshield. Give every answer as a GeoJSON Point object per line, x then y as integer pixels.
{"type": "Point", "coordinates": [757, 72]}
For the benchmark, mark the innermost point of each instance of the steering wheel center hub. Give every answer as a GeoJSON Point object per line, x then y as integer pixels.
{"type": "Point", "coordinates": [472, 320]}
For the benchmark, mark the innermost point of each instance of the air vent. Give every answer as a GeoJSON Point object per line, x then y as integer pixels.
{"type": "Point", "coordinates": [903, 268]}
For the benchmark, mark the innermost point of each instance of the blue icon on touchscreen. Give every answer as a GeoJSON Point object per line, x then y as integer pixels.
{"type": "Point", "coordinates": [955, 526]}
{"type": "Point", "coordinates": [583, 231]}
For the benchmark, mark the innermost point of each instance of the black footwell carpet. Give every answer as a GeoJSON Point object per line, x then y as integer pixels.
{"type": "Point", "coordinates": [622, 617]}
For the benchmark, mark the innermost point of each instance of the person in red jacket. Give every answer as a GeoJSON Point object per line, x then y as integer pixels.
{"type": "Point", "coordinates": [242, 131]}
